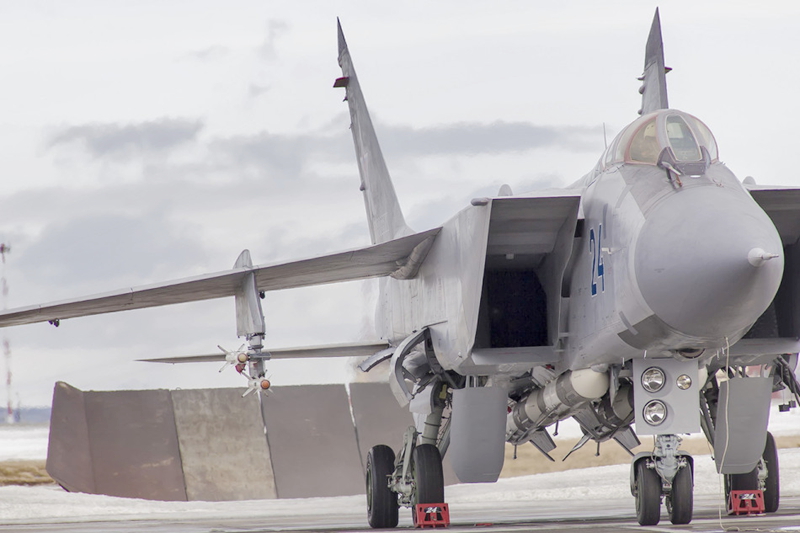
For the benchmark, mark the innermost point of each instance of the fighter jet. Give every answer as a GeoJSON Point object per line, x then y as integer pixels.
{"type": "Point", "coordinates": [657, 289]}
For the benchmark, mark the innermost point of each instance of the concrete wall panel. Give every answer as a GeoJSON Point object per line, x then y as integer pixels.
{"type": "Point", "coordinates": [68, 459]}
{"type": "Point", "coordinates": [134, 444]}
{"type": "Point", "coordinates": [312, 441]}
{"type": "Point", "coordinates": [223, 447]}
{"type": "Point", "coordinates": [210, 445]}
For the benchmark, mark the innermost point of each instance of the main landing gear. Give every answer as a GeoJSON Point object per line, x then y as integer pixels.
{"type": "Point", "coordinates": [765, 476]}
{"type": "Point", "coordinates": [413, 477]}
{"type": "Point", "coordinates": [665, 472]}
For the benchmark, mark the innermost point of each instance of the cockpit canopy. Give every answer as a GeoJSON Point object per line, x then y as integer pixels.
{"type": "Point", "coordinates": [644, 140]}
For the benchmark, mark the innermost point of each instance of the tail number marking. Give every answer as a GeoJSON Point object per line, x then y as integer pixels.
{"type": "Point", "coordinates": [595, 249]}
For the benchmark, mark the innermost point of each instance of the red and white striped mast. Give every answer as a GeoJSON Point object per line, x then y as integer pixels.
{"type": "Point", "coordinates": [4, 249]}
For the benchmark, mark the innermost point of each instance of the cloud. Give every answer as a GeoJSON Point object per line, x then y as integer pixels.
{"type": "Point", "coordinates": [95, 248]}
{"type": "Point", "coordinates": [275, 28]}
{"type": "Point", "coordinates": [473, 138]}
{"type": "Point", "coordinates": [255, 90]}
{"type": "Point", "coordinates": [436, 209]}
{"type": "Point", "coordinates": [104, 140]}
{"type": "Point", "coordinates": [283, 195]}
{"type": "Point", "coordinates": [284, 156]}
{"type": "Point", "coordinates": [211, 53]}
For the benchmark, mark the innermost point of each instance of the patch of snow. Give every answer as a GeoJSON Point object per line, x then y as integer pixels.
{"type": "Point", "coordinates": [23, 442]}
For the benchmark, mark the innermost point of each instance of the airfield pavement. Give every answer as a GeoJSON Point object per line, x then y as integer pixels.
{"type": "Point", "coordinates": [595, 498]}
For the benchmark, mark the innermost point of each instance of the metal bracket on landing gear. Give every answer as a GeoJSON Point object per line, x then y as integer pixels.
{"type": "Point", "coordinates": [402, 480]}
{"type": "Point", "coordinates": [397, 378]}
{"type": "Point", "coordinates": [665, 459]}
{"type": "Point", "coordinates": [399, 374]}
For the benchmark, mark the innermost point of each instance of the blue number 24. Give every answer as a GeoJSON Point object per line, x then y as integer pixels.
{"type": "Point", "coordinates": [595, 248]}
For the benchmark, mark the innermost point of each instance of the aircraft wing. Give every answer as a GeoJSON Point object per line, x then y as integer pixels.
{"type": "Point", "coordinates": [361, 349]}
{"type": "Point", "coordinates": [400, 258]}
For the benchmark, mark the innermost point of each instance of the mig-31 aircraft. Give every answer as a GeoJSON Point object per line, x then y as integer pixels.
{"type": "Point", "coordinates": [658, 289]}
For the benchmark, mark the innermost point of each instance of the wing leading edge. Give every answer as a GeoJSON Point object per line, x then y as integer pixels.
{"type": "Point", "coordinates": [400, 258]}
{"type": "Point", "coordinates": [360, 349]}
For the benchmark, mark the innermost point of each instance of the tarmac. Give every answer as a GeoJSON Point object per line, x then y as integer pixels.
{"type": "Point", "coordinates": [597, 516]}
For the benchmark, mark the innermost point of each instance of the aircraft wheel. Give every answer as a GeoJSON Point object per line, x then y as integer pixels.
{"type": "Point", "coordinates": [381, 502]}
{"type": "Point", "coordinates": [680, 502]}
{"type": "Point", "coordinates": [747, 481]}
{"type": "Point", "coordinates": [648, 495]}
{"type": "Point", "coordinates": [772, 489]}
{"type": "Point", "coordinates": [428, 475]}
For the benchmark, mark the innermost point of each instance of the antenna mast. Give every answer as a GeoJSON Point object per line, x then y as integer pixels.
{"type": "Point", "coordinates": [4, 249]}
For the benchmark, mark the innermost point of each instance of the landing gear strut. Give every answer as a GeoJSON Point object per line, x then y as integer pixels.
{"type": "Point", "coordinates": [415, 475]}
{"type": "Point", "coordinates": [667, 473]}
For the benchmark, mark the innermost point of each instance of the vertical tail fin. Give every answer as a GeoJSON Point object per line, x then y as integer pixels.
{"type": "Point", "coordinates": [386, 220]}
{"type": "Point", "coordinates": [654, 79]}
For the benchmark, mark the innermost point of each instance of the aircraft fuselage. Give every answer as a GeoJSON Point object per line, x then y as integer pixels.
{"type": "Point", "coordinates": [661, 264]}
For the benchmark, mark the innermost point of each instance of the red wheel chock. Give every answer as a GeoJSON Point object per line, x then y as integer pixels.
{"type": "Point", "coordinates": [746, 502]}
{"type": "Point", "coordinates": [431, 515]}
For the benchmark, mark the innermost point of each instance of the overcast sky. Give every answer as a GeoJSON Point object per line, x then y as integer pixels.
{"type": "Point", "coordinates": [146, 141]}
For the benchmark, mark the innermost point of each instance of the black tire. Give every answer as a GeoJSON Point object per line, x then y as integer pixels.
{"type": "Point", "coordinates": [772, 488]}
{"type": "Point", "coordinates": [381, 502]}
{"type": "Point", "coordinates": [680, 502]}
{"type": "Point", "coordinates": [648, 495]}
{"type": "Point", "coordinates": [748, 481]}
{"type": "Point", "coordinates": [428, 475]}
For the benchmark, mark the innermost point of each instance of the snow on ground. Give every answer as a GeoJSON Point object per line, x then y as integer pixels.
{"type": "Point", "coordinates": [784, 424]}
{"type": "Point", "coordinates": [52, 504]}
{"type": "Point", "coordinates": [23, 442]}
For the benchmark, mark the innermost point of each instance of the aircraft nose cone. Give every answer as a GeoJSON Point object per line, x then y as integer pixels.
{"type": "Point", "coordinates": [708, 262]}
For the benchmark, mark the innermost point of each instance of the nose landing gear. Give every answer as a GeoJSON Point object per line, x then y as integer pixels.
{"type": "Point", "coordinates": [665, 472]}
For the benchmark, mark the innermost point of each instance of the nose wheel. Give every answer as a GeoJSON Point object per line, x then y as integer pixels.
{"type": "Point", "coordinates": [664, 472]}
{"type": "Point", "coordinates": [680, 500]}
{"type": "Point", "coordinates": [648, 495]}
